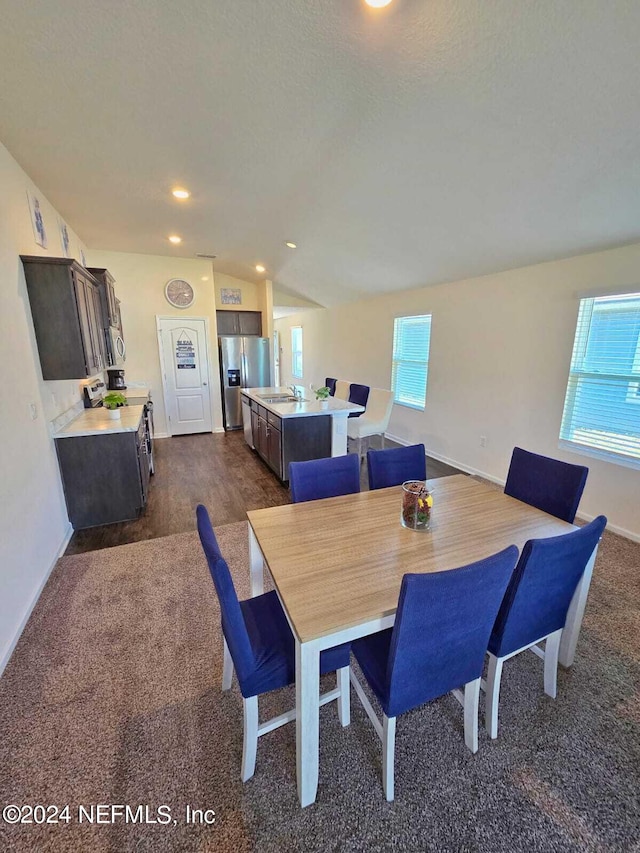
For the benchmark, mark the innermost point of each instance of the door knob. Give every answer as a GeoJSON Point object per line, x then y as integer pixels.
{"type": "Point", "coordinates": [204, 383]}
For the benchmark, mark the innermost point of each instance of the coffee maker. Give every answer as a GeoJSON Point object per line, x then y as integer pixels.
{"type": "Point", "coordinates": [116, 379]}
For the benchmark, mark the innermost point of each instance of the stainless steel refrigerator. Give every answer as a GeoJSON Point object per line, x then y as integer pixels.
{"type": "Point", "coordinates": [244, 363]}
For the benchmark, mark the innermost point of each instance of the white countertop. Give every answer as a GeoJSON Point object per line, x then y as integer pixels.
{"type": "Point", "coordinates": [133, 393]}
{"type": "Point", "coordinates": [334, 407]}
{"type": "Point", "coordinates": [97, 422]}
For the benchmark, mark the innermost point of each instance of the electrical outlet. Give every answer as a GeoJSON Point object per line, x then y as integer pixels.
{"type": "Point", "coordinates": [33, 411]}
{"type": "Point", "coordinates": [483, 441]}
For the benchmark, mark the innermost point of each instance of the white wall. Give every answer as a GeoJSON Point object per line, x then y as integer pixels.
{"type": "Point", "coordinates": [139, 283]}
{"type": "Point", "coordinates": [500, 353]}
{"type": "Point", "coordinates": [33, 522]}
{"type": "Point", "coordinates": [251, 293]}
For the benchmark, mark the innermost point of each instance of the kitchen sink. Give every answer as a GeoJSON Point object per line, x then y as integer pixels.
{"type": "Point", "coordinates": [282, 398]}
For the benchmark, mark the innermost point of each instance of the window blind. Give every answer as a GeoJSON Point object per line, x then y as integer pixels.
{"type": "Point", "coordinates": [296, 352]}
{"type": "Point", "coordinates": [411, 340]}
{"type": "Point", "coordinates": [602, 404]}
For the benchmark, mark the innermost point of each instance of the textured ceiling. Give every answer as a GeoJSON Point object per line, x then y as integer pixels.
{"type": "Point", "coordinates": [431, 141]}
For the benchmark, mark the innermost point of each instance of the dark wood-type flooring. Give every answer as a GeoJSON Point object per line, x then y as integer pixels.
{"type": "Point", "coordinates": [218, 470]}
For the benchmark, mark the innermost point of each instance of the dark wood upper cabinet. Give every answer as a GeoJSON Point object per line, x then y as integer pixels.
{"type": "Point", "coordinates": [111, 313]}
{"type": "Point", "coordinates": [67, 317]}
{"type": "Point", "coordinates": [239, 322]}
{"type": "Point", "coordinates": [250, 322]}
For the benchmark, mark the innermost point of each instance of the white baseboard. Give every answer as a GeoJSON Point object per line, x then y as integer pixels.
{"type": "Point", "coordinates": [4, 660]}
{"type": "Point", "coordinates": [168, 435]}
{"type": "Point", "coordinates": [448, 461]}
{"type": "Point", "coordinates": [612, 528]}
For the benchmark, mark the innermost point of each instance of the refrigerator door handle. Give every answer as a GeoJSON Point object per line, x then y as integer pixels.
{"type": "Point", "coordinates": [245, 373]}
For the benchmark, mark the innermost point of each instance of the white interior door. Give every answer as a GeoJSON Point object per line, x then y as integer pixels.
{"type": "Point", "coordinates": [187, 392]}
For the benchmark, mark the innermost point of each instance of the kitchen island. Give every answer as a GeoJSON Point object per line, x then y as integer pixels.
{"type": "Point", "coordinates": [283, 429]}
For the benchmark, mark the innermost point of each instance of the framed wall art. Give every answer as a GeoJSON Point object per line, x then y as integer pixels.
{"type": "Point", "coordinates": [64, 238]}
{"type": "Point", "coordinates": [39, 231]}
{"type": "Point", "coordinates": [230, 296]}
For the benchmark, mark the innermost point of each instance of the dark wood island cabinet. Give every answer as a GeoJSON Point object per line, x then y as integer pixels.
{"type": "Point", "coordinates": [279, 441]}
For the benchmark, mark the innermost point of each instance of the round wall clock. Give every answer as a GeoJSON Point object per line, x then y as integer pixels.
{"type": "Point", "coordinates": [179, 293]}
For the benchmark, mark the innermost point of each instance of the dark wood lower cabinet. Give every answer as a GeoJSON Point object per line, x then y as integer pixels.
{"type": "Point", "coordinates": [105, 477]}
{"type": "Point", "coordinates": [279, 441]}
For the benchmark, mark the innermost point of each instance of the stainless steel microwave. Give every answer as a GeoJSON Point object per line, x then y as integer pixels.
{"type": "Point", "coordinates": [117, 346]}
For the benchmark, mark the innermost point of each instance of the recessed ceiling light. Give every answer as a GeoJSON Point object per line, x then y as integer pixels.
{"type": "Point", "coordinates": [205, 278]}
{"type": "Point", "coordinates": [260, 268]}
{"type": "Point", "coordinates": [291, 245]}
{"type": "Point", "coordinates": [180, 193]}
{"type": "Point", "coordinates": [377, 4]}
{"type": "Point", "coordinates": [175, 239]}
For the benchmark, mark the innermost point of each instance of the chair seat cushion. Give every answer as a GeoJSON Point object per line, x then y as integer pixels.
{"type": "Point", "coordinates": [272, 644]}
{"type": "Point", "coordinates": [372, 653]}
{"type": "Point", "coordinates": [274, 648]}
{"type": "Point", "coordinates": [364, 426]}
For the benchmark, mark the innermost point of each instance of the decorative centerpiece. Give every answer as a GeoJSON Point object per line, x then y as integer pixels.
{"type": "Point", "coordinates": [417, 502]}
{"type": "Point", "coordinates": [112, 402]}
{"type": "Point", "coordinates": [322, 395]}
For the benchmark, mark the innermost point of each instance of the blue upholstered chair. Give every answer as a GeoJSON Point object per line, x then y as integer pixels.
{"type": "Point", "coordinates": [536, 604]}
{"type": "Point", "coordinates": [358, 394]}
{"type": "Point", "coordinates": [548, 484]}
{"type": "Point", "coordinates": [259, 645]}
{"type": "Point", "coordinates": [393, 467]}
{"type": "Point", "coordinates": [324, 478]}
{"type": "Point", "coordinates": [437, 644]}
{"type": "Point", "coordinates": [331, 385]}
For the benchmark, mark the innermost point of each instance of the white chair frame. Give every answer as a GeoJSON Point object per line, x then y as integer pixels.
{"type": "Point", "coordinates": [386, 730]}
{"type": "Point", "coordinates": [252, 729]}
{"type": "Point", "coordinates": [491, 686]}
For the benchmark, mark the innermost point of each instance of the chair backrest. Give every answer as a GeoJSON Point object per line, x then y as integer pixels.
{"type": "Point", "coordinates": [548, 484]}
{"type": "Point", "coordinates": [379, 406]}
{"type": "Point", "coordinates": [324, 478]}
{"type": "Point", "coordinates": [358, 394]}
{"type": "Point", "coordinates": [442, 628]}
{"type": "Point", "coordinates": [540, 592]}
{"type": "Point", "coordinates": [331, 385]}
{"type": "Point", "coordinates": [233, 625]}
{"type": "Point", "coordinates": [342, 389]}
{"type": "Point", "coordinates": [393, 467]}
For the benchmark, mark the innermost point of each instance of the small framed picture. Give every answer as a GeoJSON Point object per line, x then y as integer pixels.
{"type": "Point", "coordinates": [230, 296]}
{"type": "Point", "coordinates": [37, 221]}
{"type": "Point", "coordinates": [64, 238]}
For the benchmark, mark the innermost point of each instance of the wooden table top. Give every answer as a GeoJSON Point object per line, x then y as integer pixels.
{"type": "Point", "coordinates": [339, 562]}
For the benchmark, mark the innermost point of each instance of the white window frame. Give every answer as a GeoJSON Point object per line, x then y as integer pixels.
{"type": "Point", "coordinates": [621, 446]}
{"type": "Point", "coordinates": [399, 358]}
{"type": "Point", "coordinates": [296, 354]}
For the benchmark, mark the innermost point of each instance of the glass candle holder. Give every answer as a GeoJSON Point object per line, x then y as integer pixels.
{"type": "Point", "coordinates": [417, 503]}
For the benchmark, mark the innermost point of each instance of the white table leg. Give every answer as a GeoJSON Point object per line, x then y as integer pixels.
{"type": "Point", "coordinates": [307, 720]}
{"type": "Point", "coordinates": [256, 565]}
{"type": "Point", "coordinates": [571, 630]}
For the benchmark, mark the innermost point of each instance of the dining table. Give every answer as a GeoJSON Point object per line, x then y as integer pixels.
{"type": "Point", "coordinates": [337, 565]}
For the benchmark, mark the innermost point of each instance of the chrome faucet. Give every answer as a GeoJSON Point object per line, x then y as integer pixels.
{"type": "Point", "coordinates": [295, 391]}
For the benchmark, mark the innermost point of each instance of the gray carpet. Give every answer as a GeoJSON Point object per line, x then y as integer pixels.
{"type": "Point", "coordinates": [113, 696]}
